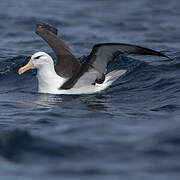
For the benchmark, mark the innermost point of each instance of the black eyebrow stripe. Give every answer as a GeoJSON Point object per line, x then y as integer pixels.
{"type": "Point", "coordinates": [38, 57]}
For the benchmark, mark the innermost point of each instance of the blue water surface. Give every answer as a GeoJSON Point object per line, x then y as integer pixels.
{"type": "Point", "coordinates": [130, 131]}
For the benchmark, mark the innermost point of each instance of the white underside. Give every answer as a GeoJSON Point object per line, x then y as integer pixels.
{"type": "Point", "coordinates": [52, 84]}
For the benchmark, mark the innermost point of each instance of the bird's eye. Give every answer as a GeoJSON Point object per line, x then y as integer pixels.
{"type": "Point", "coordinates": [38, 57]}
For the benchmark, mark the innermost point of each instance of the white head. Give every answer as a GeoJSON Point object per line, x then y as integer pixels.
{"type": "Point", "coordinates": [38, 60]}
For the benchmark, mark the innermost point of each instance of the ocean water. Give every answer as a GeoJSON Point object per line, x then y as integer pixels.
{"type": "Point", "coordinates": [130, 131]}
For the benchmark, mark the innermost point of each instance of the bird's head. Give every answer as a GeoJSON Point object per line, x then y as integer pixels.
{"type": "Point", "coordinates": [38, 60]}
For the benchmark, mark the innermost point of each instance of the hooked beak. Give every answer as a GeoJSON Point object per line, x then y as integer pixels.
{"type": "Point", "coordinates": [25, 68]}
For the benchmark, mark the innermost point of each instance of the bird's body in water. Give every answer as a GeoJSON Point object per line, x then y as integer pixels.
{"type": "Point", "coordinates": [71, 77]}
{"type": "Point", "coordinates": [50, 82]}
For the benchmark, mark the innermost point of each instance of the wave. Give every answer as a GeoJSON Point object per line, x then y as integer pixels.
{"type": "Point", "coordinates": [11, 65]}
{"type": "Point", "coordinates": [140, 75]}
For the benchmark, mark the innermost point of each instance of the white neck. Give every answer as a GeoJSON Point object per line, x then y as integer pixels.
{"type": "Point", "coordinates": [48, 80]}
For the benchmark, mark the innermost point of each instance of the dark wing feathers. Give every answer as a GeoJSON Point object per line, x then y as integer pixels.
{"type": "Point", "coordinates": [47, 27]}
{"type": "Point", "coordinates": [66, 65]}
{"type": "Point", "coordinates": [100, 57]}
{"type": "Point", "coordinates": [103, 54]}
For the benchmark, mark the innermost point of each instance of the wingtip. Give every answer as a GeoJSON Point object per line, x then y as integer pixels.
{"type": "Point", "coordinates": [43, 25]}
{"type": "Point", "coordinates": [163, 55]}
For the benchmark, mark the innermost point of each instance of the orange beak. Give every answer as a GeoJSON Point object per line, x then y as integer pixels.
{"type": "Point", "coordinates": [25, 68]}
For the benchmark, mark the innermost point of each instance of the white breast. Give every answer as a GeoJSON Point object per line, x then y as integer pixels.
{"type": "Point", "coordinates": [49, 81]}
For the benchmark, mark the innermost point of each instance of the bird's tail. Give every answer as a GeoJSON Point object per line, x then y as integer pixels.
{"type": "Point", "coordinates": [114, 75]}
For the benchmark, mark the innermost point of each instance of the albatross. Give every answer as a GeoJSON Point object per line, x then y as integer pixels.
{"type": "Point", "coordinates": [68, 76]}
